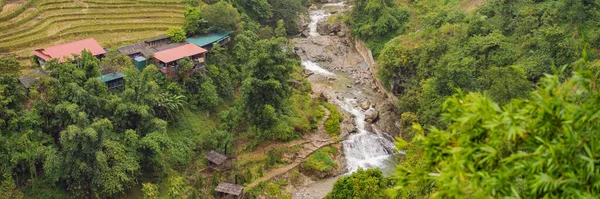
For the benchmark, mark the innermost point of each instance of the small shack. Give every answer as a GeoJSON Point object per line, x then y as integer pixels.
{"type": "Point", "coordinates": [32, 78]}
{"type": "Point", "coordinates": [228, 190]}
{"type": "Point", "coordinates": [64, 51]}
{"type": "Point", "coordinates": [112, 80]}
{"type": "Point", "coordinates": [168, 60]}
{"type": "Point", "coordinates": [216, 158]}
{"type": "Point", "coordinates": [209, 40]}
{"type": "Point", "coordinates": [139, 62]}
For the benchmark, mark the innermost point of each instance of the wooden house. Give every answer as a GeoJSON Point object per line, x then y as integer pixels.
{"type": "Point", "coordinates": [216, 158]}
{"type": "Point", "coordinates": [168, 60]}
{"type": "Point", "coordinates": [112, 80]}
{"type": "Point", "coordinates": [65, 51]}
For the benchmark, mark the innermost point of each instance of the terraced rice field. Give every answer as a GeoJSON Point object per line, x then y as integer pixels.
{"type": "Point", "coordinates": [26, 25]}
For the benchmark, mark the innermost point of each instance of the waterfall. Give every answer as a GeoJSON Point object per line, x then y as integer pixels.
{"type": "Point", "coordinates": [365, 149]}
{"type": "Point", "coordinates": [315, 17]}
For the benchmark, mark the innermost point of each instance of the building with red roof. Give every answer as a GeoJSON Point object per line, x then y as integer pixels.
{"type": "Point", "coordinates": [65, 51]}
{"type": "Point", "coordinates": [168, 60]}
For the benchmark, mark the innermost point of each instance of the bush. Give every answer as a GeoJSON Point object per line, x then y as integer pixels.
{"type": "Point", "coordinates": [321, 161]}
{"type": "Point", "coordinates": [176, 34]}
{"type": "Point", "coordinates": [332, 125]}
{"type": "Point", "coordinates": [274, 156]}
{"type": "Point", "coordinates": [368, 183]}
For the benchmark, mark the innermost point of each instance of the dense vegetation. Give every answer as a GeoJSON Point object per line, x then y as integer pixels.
{"type": "Point", "coordinates": [365, 184]}
{"type": "Point", "coordinates": [543, 147]}
{"type": "Point", "coordinates": [476, 75]}
{"type": "Point", "coordinates": [70, 136]}
{"type": "Point", "coordinates": [446, 45]}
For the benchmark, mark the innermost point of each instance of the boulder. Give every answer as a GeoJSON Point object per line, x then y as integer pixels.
{"type": "Point", "coordinates": [371, 116]}
{"type": "Point", "coordinates": [365, 105]}
{"type": "Point", "coordinates": [326, 28]}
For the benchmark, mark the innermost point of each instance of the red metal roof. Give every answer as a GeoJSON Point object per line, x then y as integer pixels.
{"type": "Point", "coordinates": [65, 50]}
{"type": "Point", "coordinates": [177, 53]}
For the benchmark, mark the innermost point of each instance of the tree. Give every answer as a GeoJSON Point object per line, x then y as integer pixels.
{"type": "Point", "coordinates": [185, 66]}
{"type": "Point", "coordinates": [11, 97]}
{"type": "Point", "coordinates": [89, 64]}
{"type": "Point", "coordinates": [220, 140]}
{"type": "Point", "coordinates": [150, 190]}
{"type": "Point", "coordinates": [365, 184]}
{"type": "Point", "coordinates": [10, 65]}
{"type": "Point", "coordinates": [266, 86]}
{"type": "Point", "coordinates": [543, 147]}
{"type": "Point", "coordinates": [168, 104]}
{"type": "Point", "coordinates": [505, 84]}
{"type": "Point", "coordinates": [193, 22]}
{"type": "Point", "coordinates": [209, 97]}
{"type": "Point", "coordinates": [176, 34]}
{"type": "Point", "coordinates": [221, 16]}
{"type": "Point", "coordinates": [377, 18]}
{"type": "Point", "coordinates": [259, 10]}
{"type": "Point", "coordinates": [89, 163]}
{"type": "Point", "coordinates": [280, 29]}
{"type": "Point", "coordinates": [114, 62]}
{"type": "Point", "coordinates": [288, 11]}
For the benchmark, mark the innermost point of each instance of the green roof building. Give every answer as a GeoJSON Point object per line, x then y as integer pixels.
{"type": "Point", "coordinates": [112, 80]}
{"type": "Point", "coordinates": [209, 40]}
{"type": "Point", "coordinates": [139, 62]}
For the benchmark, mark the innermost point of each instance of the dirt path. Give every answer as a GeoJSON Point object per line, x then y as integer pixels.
{"type": "Point", "coordinates": [312, 143]}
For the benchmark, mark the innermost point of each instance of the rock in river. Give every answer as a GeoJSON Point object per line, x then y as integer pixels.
{"type": "Point", "coordinates": [365, 105]}
{"type": "Point", "coordinates": [371, 116]}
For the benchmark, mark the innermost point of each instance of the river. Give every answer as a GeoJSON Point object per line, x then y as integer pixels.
{"type": "Point", "coordinates": [337, 74]}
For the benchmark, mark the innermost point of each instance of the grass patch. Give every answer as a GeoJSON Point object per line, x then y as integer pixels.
{"type": "Point", "coordinates": [187, 131]}
{"type": "Point", "coordinates": [274, 157]}
{"type": "Point", "coordinates": [321, 160]}
{"type": "Point", "coordinates": [332, 125]}
{"type": "Point", "coordinates": [18, 11]}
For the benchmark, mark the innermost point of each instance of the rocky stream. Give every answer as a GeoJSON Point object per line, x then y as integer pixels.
{"type": "Point", "coordinates": [340, 69]}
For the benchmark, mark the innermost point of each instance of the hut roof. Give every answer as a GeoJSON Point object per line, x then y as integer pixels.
{"type": "Point", "coordinates": [28, 79]}
{"type": "Point", "coordinates": [174, 54]}
{"type": "Point", "coordinates": [111, 76]}
{"type": "Point", "coordinates": [228, 188]}
{"type": "Point", "coordinates": [66, 50]}
{"type": "Point", "coordinates": [150, 46]}
{"type": "Point", "coordinates": [216, 157]}
{"type": "Point", "coordinates": [204, 40]}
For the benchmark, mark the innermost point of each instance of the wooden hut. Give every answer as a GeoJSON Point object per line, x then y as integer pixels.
{"type": "Point", "coordinates": [112, 80]}
{"type": "Point", "coordinates": [228, 190]}
{"type": "Point", "coordinates": [216, 158]}
{"type": "Point", "coordinates": [32, 78]}
{"type": "Point", "coordinates": [168, 60]}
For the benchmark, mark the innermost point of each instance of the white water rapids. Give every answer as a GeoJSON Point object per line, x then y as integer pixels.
{"type": "Point", "coordinates": [363, 149]}
{"type": "Point", "coordinates": [314, 67]}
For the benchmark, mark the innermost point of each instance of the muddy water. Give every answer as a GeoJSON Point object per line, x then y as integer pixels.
{"type": "Point", "coordinates": [340, 73]}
